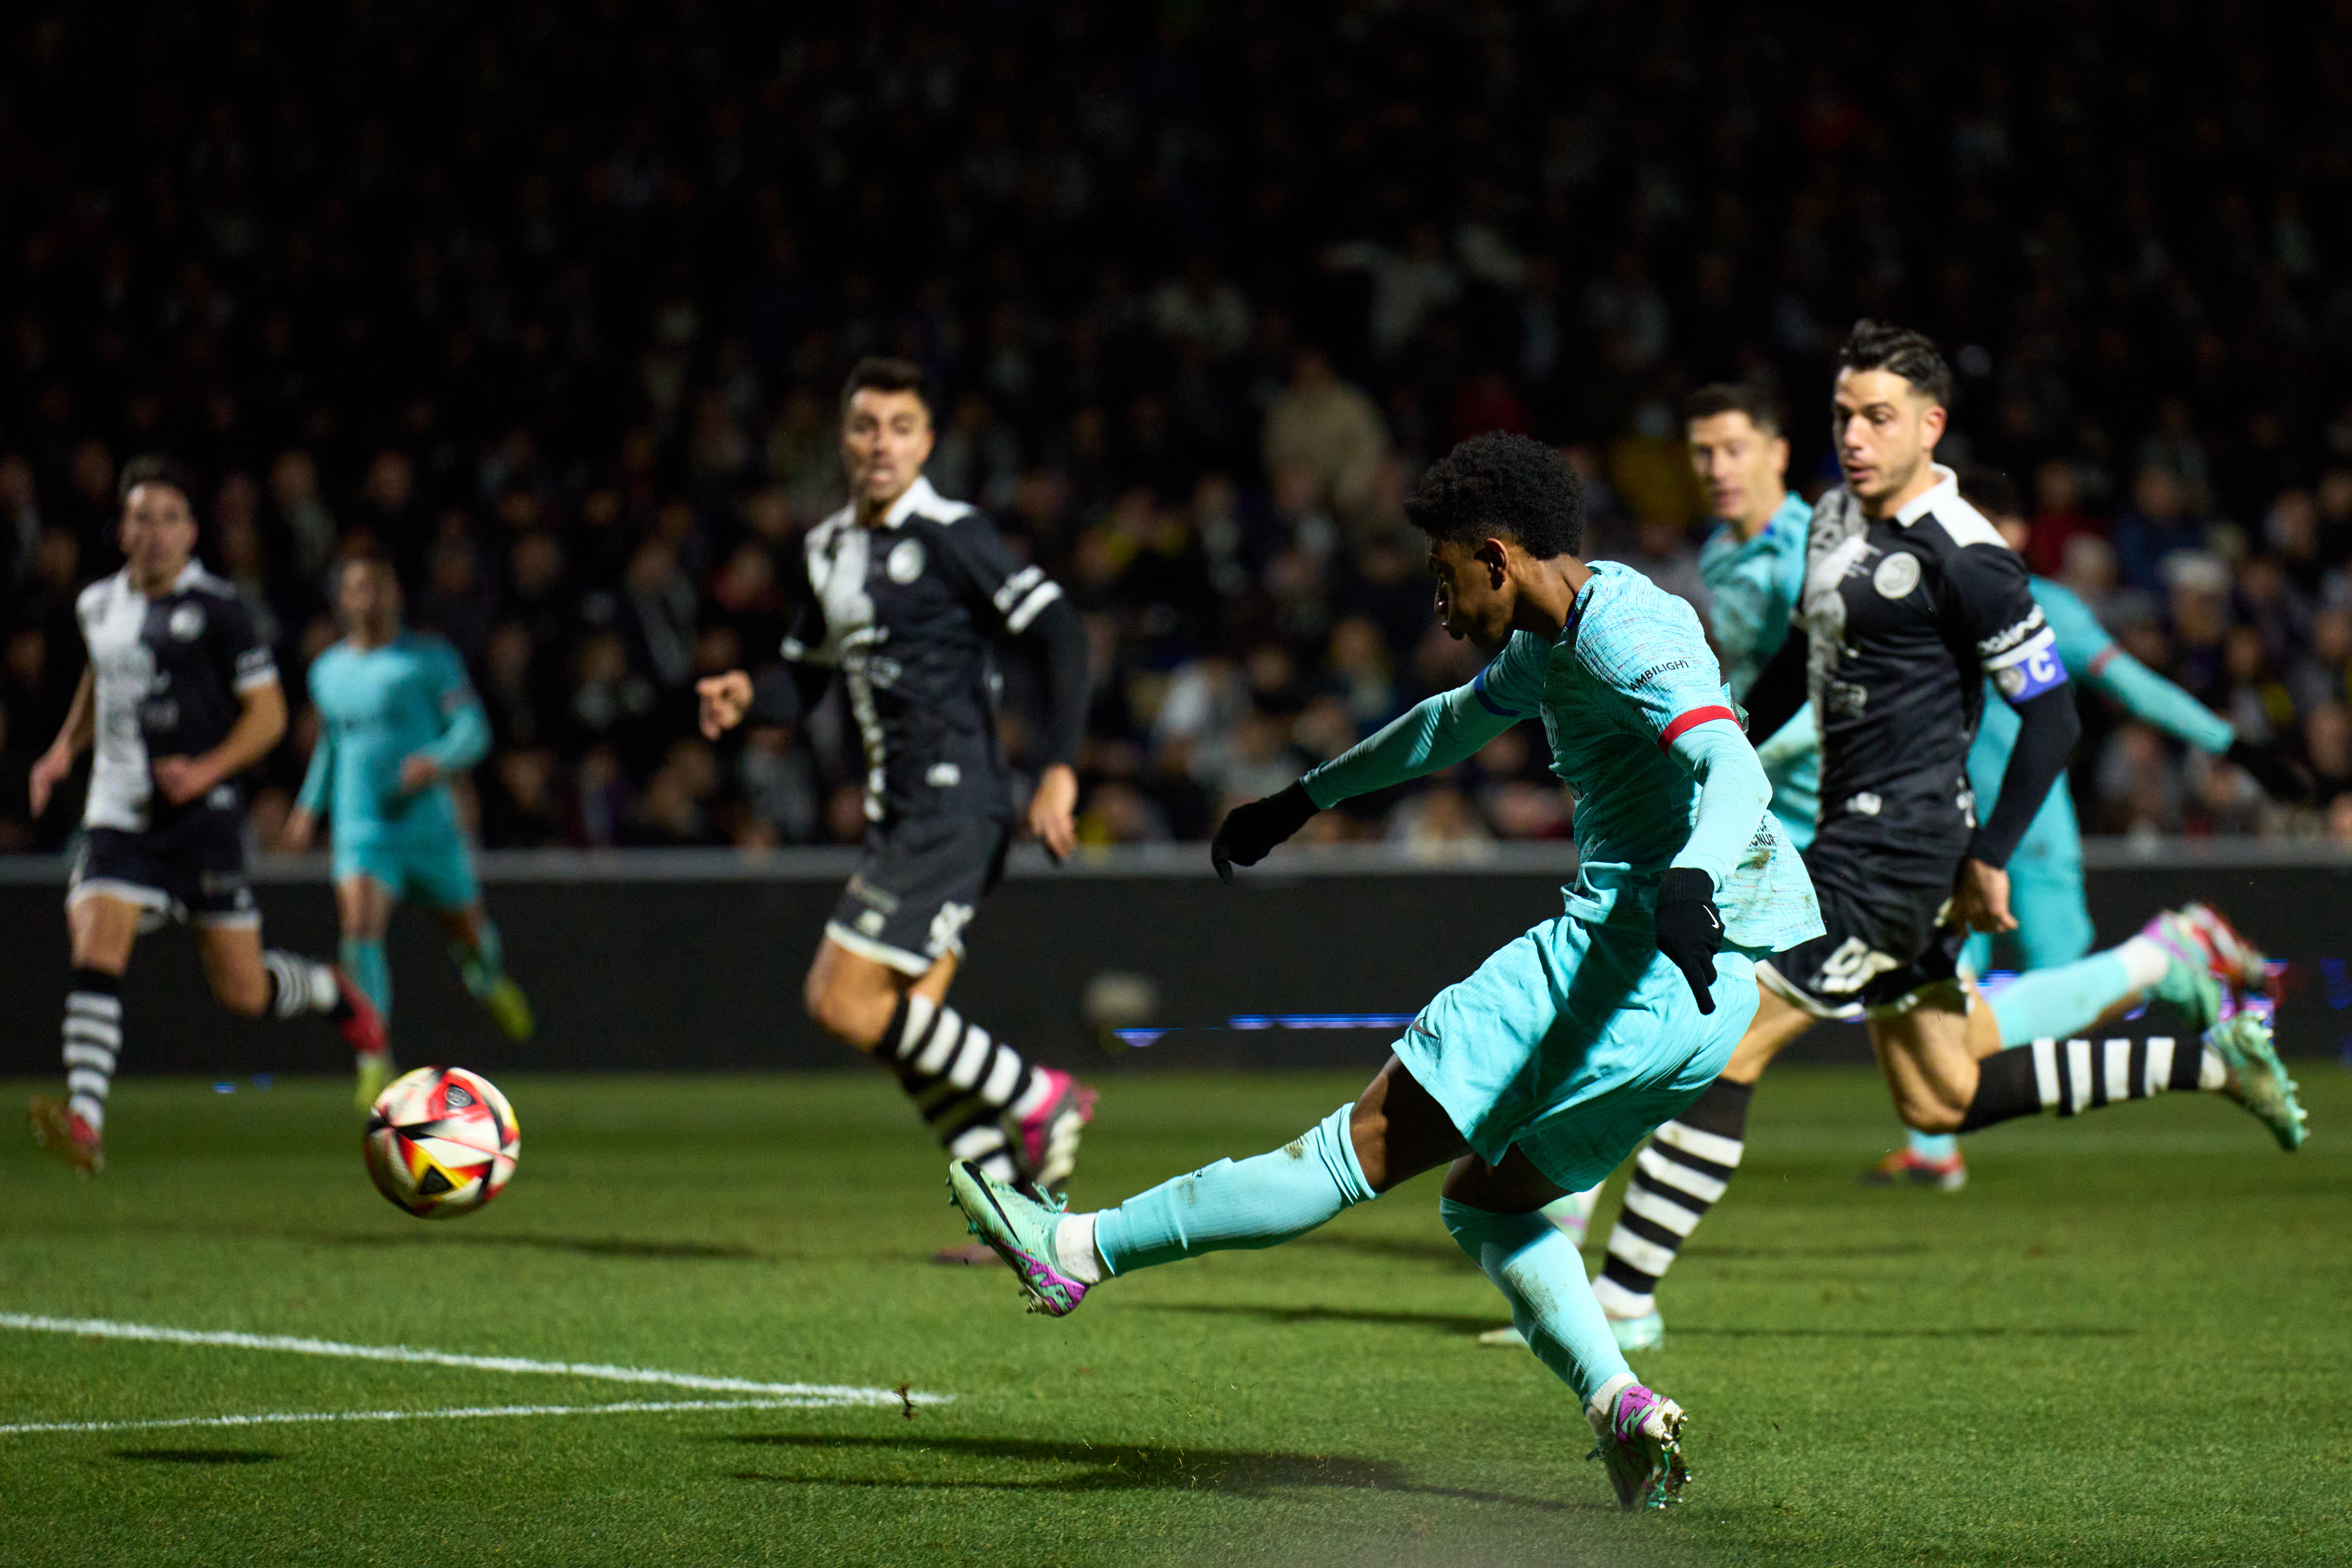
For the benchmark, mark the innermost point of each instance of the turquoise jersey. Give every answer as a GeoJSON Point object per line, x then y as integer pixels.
{"type": "Point", "coordinates": [2086, 649]}
{"type": "Point", "coordinates": [378, 707]}
{"type": "Point", "coordinates": [1628, 694]}
{"type": "Point", "coordinates": [1752, 587]}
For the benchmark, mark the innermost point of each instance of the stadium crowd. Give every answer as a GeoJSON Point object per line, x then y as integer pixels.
{"type": "Point", "coordinates": [552, 303]}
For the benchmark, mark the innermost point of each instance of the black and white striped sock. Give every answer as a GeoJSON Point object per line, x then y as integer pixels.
{"type": "Point", "coordinates": [2071, 1077]}
{"type": "Point", "coordinates": [93, 1042]}
{"type": "Point", "coordinates": [299, 984]}
{"type": "Point", "coordinates": [1676, 1178]}
{"type": "Point", "coordinates": [966, 1083]}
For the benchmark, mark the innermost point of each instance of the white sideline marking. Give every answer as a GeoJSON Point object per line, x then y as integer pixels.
{"type": "Point", "coordinates": [456, 1413]}
{"type": "Point", "coordinates": [100, 1328]}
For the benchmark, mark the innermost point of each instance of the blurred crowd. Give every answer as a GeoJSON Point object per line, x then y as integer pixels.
{"type": "Point", "coordinates": [552, 303]}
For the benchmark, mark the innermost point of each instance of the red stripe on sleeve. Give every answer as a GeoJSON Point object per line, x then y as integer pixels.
{"type": "Point", "coordinates": [2099, 661]}
{"type": "Point", "coordinates": [1691, 721]}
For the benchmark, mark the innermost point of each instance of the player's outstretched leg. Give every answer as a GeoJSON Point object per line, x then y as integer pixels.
{"type": "Point", "coordinates": [480, 958]}
{"type": "Point", "coordinates": [1013, 1118]}
{"type": "Point", "coordinates": [299, 985]}
{"type": "Point", "coordinates": [73, 1127]}
{"type": "Point", "coordinates": [1676, 1178]}
{"type": "Point", "coordinates": [370, 973]}
{"type": "Point", "coordinates": [2169, 959]}
{"type": "Point", "coordinates": [1262, 1201]}
{"type": "Point", "coordinates": [1541, 1274]}
{"type": "Point", "coordinates": [2070, 1077]}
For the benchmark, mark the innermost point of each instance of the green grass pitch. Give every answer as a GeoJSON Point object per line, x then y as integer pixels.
{"type": "Point", "coordinates": [2125, 1343]}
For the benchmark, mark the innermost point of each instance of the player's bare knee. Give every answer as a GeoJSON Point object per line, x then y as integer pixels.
{"type": "Point", "coordinates": [848, 1013]}
{"type": "Point", "coordinates": [245, 998]}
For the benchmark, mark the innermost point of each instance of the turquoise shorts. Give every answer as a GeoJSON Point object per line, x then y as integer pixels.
{"type": "Point", "coordinates": [436, 872]}
{"type": "Point", "coordinates": [1573, 1043]}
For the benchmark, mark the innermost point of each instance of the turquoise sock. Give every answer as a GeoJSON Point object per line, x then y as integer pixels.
{"type": "Point", "coordinates": [483, 964]}
{"type": "Point", "coordinates": [2060, 1003]}
{"type": "Point", "coordinates": [1935, 1146]}
{"type": "Point", "coordinates": [1542, 1274]}
{"type": "Point", "coordinates": [365, 962]}
{"type": "Point", "coordinates": [1258, 1202]}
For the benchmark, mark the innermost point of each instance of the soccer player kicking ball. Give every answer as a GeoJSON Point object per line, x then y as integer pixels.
{"type": "Point", "coordinates": [1914, 607]}
{"type": "Point", "coordinates": [1539, 1072]}
{"type": "Point", "coordinates": [396, 718]}
{"type": "Point", "coordinates": [907, 594]}
{"type": "Point", "coordinates": [180, 699]}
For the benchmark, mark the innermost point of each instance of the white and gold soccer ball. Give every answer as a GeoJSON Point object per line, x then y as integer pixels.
{"type": "Point", "coordinates": [442, 1142]}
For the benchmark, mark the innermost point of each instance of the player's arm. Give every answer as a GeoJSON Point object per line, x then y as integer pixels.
{"type": "Point", "coordinates": [318, 785]}
{"type": "Point", "coordinates": [260, 724]}
{"type": "Point", "coordinates": [782, 695]}
{"type": "Point", "coordinates": [2019, 653]}
{"type": "Point", "coordinates": [1430, 737]}
{"type": "Point", "coordinates": [260, 720]}
{"type": "Point", "coordinates": [74, 737]}
{"type": "Point", "coordinates": [2140, 691]}
{"type": "Point", "coordinates": [465, 737]}
{"type": "Point", "coordinates": [1026, 604]}
{"type": "Point", "coordinates": [1733, 795]}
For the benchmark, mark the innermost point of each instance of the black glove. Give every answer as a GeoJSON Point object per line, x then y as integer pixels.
{"type": "Point", "coordinates": [2269, 767]}
{"type": "Point", "coordinates": [1689, 930]}
{"type": "Point", "coordinates": [1250, 832]}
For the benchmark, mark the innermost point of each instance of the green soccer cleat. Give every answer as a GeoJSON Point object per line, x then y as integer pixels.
{"type": "Point", "coordinates": [2258, 1080]}
{"type": "Point", "coordinates": [510, 1009]}
{"type": "Point", "coordinates": [2190, 980]}
{"type": "Point", "coordinates": [1021, 1230]}
{"type": "Point", "coordinates": [1640, 1440]}
{"type": "Point", "coordinates": [374, 1071]}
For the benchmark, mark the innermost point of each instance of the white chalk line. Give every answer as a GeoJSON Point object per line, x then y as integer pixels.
{"type": "Point", "coordinates": [455, 1413]}
{"type": "Point", "coordinates": [793, 1394]}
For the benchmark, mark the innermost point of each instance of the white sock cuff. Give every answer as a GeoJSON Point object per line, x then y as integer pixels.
{"type": "Point", "coordinates": [1075, 1253]}
{"type": "Point", "coordinates": [1604, 1400]}
{"type": "Point", "coordinates": [2212, 1072]}
{"type": "Point", "coordinates": [2144, 960]}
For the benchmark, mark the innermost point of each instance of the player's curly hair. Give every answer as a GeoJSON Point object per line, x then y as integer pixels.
{"type": "Point", "coordinates": [1502, 484]}
{"type": "Point", "coordinates": [1882, 345]}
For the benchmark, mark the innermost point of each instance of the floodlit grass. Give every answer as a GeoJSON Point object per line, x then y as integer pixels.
{"type": "Point", "coordinates": [2124, 1344]}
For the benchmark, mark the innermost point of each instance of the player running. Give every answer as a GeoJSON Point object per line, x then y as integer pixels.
{"type": "Point", "coordinates": [1539, 1073]}
{"type": "Point", "coordinates": [180, 699]}
{"type": "Point", "coordinates": [397, 718]}
{"type": "Point", "coordinates": [2192, 957]}
{"type": "Point", "coordinates": [1913, 608]}
{"type": "Point", "coordinates": [908, 592]}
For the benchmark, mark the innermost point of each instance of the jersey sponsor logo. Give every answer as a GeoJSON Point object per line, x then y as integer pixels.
{"type": "Point", "coordinates": [1896, 575]}
{"type": "Point", "coordinates": [1853, 966]}
{"type": "Point", "coordinates": [186, 622]}
{"type": "Point", "coordinates": [905, 561]}
{"type": "Point", "coordinates": [944, 775]}
{"type": "Point", "coordinates": [1866, 804]}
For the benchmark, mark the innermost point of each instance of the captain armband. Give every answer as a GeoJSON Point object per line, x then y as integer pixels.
{"type": "Point", "coordinates": [2029, 669]}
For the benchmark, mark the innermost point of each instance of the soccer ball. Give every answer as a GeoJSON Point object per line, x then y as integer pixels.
{"type": "Point", "coordinates": [441, 1141]}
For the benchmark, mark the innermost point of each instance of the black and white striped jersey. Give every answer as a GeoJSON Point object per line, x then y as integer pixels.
{"type": "Point", "coordinates": [169, 676]}
{"type": "Point", "coordinates": [908, 612]}
{"type": "Point", "coordinates": [1906, 617]}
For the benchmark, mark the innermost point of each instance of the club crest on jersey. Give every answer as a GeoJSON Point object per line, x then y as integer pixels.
{"type": "Point", "coordinates": [905, 561]}
{"type": "Point", "coordinates": [1896, 575]}
{"type": "Point", "coordinates": [187, 622]}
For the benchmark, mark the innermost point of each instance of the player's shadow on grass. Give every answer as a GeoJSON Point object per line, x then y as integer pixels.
{"type": "Point", "coordinates": [197, 1456]}
{"type": "Point", "coordinates": [1445, 1322]}
{"type": "Point", "coordinates": [1770, 1254]}
{"type": "Point", "coordinates": [1126, 1467]}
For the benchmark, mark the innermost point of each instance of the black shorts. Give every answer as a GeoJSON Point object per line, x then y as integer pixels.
{"type": "Point", "coordinates": [915, 889]}
{"type": "Point", "coordinates": [1881, 946]}
{"type": "Point", "coordinates": [192, 869]}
